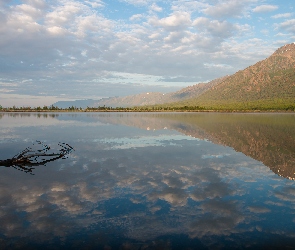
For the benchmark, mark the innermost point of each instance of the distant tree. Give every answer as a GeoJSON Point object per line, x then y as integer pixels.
{"type": "Point", "coordinates": [52, 107]}
{"type": "Point", "coordinates": [72, 108]}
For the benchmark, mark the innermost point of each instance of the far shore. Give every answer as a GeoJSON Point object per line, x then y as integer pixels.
{"type": "Point", "coordinates": [145, 111]}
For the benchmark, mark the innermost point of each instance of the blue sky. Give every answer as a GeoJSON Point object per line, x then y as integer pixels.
{"type": "Point", "coordinates": [67, 49]}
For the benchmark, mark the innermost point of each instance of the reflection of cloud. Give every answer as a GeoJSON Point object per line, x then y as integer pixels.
{"type": "Point", "coordinates": [144, 193]}
{"type": "Point", "coordinates": [64, 201]}
{"type": "Point", "coordinates": [258, 209]}
{"type": "Point", "coordinates": [277, 204]}
{"type": "Point", "coordinates": [93, 193]}
{"type": "Point", "coordinates": [220, 218]}
{"type": "Point", "coordinates": [286, 194]}
{"type": "Point", "coordinates": [144, 141]}
{"type": "Point", "coordinates": [219, 207]}
{"type": "Point", "coordinates": [214, 156]}
{"type": "Point", "coordinates": [175, 196]}
{"type": "Point", "coordinates": [212, 190]}
{"type": "Point", "coordinates": [210, 185]}
{"type": "Point", "coordinates": [209, 225]}
{"type": "Point", "coordinates": [173, 182]}
{"type": "Point", "coordinates": [28, 197]}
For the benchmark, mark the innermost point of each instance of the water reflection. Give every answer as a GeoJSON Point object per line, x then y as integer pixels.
{"type": "Point", "coordinates": [130, 188]}
{"type": "Point", "coordinates": [268, 138]}
{"type": "Point", "coordinates": [28, 114]}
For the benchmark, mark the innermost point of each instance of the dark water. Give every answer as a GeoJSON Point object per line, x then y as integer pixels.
{"type": "Point", "coordinates": [150, 181]}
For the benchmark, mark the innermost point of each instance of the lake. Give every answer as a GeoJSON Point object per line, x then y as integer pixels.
{"type": "Point", "coordinates": [147, 181]}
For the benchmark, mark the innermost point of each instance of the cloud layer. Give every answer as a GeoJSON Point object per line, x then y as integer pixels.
{"type": "Point", "coordinates": [80, 49]}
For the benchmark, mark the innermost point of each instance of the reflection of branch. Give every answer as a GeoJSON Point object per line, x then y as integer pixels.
{"type": "Point", "coordinates": [28, 158]}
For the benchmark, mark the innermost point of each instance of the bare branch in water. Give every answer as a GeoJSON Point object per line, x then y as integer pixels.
{"type": "Point", "coordinates": [27, 159]}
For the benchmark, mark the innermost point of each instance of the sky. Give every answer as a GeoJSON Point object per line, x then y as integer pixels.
{"type": "Point", "coordinates": [53, 50]}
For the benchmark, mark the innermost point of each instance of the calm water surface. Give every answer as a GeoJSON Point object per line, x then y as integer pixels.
{"type": "Point", "coordinates": [150, 181]}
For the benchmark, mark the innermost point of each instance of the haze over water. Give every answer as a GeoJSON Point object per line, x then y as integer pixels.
{"type": "Point", "coordinates": [150, 180]}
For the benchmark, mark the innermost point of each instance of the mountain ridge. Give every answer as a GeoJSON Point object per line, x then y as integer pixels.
{"type": "Point", "coordinates": [153, 98]}
{"type": "Point", "coordinates": [271, 81]}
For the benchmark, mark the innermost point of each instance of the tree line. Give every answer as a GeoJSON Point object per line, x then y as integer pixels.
{"type": "Point", "coordinates": [101, 108]}
{"type": "Point", "coordinates": [158, 108]}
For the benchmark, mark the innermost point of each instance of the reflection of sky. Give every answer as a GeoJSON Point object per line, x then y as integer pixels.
{"type": "Point", "coordinates": [144, 141]}
{"type": "Point", "coordinates": [124, 185]}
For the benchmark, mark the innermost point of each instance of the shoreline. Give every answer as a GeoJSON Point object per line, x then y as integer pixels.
{"type": "Point", "coordinates": [147, 111]}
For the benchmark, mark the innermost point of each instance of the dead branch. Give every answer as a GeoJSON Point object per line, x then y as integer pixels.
{"type": "Point", "coordinates": [28, 159]}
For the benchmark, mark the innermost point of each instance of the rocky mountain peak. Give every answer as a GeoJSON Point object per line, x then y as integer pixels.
{"type": "Point", "coordinates": [287, 50]}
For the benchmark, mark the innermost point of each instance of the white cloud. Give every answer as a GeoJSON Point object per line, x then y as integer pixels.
{"type": "Point", "coordinates": [231, 8]}
{"type": "Point", "coordinates": [64, 14]}
{"type": "Point", "coordinates": [26, 100]}
{"type": "Point", "coordinates": [137, 2]}
{"type": "Point", "coordinates": [174, 37]}
{"type": "Point", "coordinates": [288, 25]}
{"type": "Point", "coordinates": [92, 24]}
{"type": "Point", "coordinates": [136, 17]}
{"type": "Point", "coordinates": [176, 20]}
{"type": "Point", "coordinates": [283, 15]}
{"type": "Point", "coordinates": [28, 10]}
{"type": "Point", "coordinates": [3, 90]}
{"type": "Point", "coordinates": [265, 8]}
{"type": "Point", "coordinates": [40, 4]}
{"type": "Point", "coordinates": [220, 29]}
{"type": "Point", "coordinates": [54, 30]}
{"type": "Point", "coordinates": [154, 35]}
{"type": "Point", "coordinates": [95, 3]}
{"type": "Point", "coordinates": [212, 65]}
{"type": "Point", "coordinates": [155, 7]}
{"type": "Point", "coordinates": [189, 6]}
{"type": "Point", "coordinates": [201, 21]}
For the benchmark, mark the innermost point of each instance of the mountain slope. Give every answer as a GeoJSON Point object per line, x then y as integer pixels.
{"type": "Point", "coordinates": [159, 98]}
{"type": "Point", "coordinates": [268, 83]}
{"type": "Point", "coordinates": [76, 103]}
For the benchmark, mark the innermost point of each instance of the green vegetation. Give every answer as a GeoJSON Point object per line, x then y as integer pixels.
{"type": "Point", "coordinates": [254, 106]}
{"type": "Point", "coordinates": [38, 109]}
{"type": "Point", "coordinates": [277, 104]}
{"type": "Point", "coordinates": [103, 109]}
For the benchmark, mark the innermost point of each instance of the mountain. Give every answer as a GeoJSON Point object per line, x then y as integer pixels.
{"type": "Point", "coordinates": [266, 84]}
{"type": "Point", "coordinates": [153, 98]}
{"type": "Point", "coordinates": [76, 103]}
{"type": "Point", "coordinates": [150, 98]}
